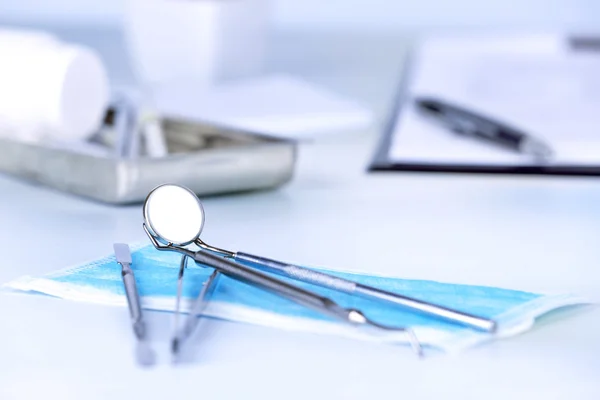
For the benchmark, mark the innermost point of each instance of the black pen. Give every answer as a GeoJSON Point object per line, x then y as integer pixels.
{"type": "Point", "coordinates": [469, 123]}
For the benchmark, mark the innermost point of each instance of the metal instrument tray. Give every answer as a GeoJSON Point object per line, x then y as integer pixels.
{"type": "Point", "coordinates": [217, 160]}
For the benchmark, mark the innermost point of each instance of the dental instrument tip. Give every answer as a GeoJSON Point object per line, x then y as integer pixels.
{"type": "Point", "coordinates": [144, 354]}
{"type": "Point", "coordinates": [357, 317]}
{"type": "Point", "coordinates": [175, 346]}
{"type": "Point", "coordinates": [414, 343]}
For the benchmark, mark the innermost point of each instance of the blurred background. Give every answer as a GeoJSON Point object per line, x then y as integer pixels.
{"type": "Point", "coordinates": [373, 15]}
{"type": "Point", "coordinates": [289, 69]}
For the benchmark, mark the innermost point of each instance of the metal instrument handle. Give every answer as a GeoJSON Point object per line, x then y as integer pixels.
{"type": "Point", "coordinates": [298, 273]}
{"type": "Point", "coordinates": [473, 321]}
{"type": "Point", "coordinates": [268, 283]}
{"type": "Point", "coordinates": [347, 286]}
{"type": "Point", "coordinates": [133, 300]}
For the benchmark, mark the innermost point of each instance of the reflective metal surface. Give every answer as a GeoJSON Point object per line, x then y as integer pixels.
{"type": "Point", "coordinates": [219, 161]}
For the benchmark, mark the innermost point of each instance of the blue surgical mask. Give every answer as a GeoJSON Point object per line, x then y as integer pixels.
{"type": "Point", "coordinates": [156, 275]}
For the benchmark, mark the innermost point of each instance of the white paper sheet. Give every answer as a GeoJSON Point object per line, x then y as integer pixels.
{"type": "Point", "coordinates": [277, 105]}
{"type": "Point", "coordinates": [536, 83]}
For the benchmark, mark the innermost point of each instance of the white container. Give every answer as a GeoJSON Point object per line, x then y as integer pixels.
{"type": "Point", "coordinates": [199, 40]}
{"type": "Point", "coordinates": [49, 89]}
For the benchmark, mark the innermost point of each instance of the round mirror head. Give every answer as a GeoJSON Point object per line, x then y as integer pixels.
{"type": "Point", "coordinates": [174, 214]}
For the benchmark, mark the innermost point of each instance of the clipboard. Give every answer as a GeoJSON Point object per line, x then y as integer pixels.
{"type": "Point", "coordinates": [384, 160]}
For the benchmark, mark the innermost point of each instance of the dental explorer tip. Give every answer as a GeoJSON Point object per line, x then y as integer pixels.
{"type": "Point", "coordinates": [414, 343]}
{"type": "Point", "coordinates": [175, 350]}
{"type": "Point", "coordinates": [357, 317]}
{"type": "Point", "coordinates": [175, 346]}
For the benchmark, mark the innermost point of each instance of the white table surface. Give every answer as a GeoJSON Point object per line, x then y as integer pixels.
{"type": "Point", "coordinates": [537, 234]}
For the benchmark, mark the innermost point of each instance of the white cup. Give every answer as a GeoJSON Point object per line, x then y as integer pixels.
{"type": "Point", "coordinates": [196, 40]}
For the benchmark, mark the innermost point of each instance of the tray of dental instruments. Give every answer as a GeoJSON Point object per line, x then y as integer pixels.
{"type": "Point", "coordinates": [207, 159]}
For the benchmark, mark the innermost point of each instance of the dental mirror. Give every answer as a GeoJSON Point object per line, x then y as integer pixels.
{"type": "Point", "coordinates": [174, 214]}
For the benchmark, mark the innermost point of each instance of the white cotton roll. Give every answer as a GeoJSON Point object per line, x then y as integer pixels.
{"type": "Point", "coordinates": [77, 94]}
{"type": "Point", "coordinates": [24, 37]}
{"type": "Point", "coordinates": [50, 89]}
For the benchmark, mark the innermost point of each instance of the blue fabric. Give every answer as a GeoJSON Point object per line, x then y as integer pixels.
{"type": "Point", "coordinates": [156, 276]}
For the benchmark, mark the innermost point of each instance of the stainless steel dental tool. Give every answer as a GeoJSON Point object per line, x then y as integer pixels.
{"type": "Point", "coordinates": [182, 266]}
{"type": "Point", "coordinates": [174, 218]}
{"type": "Point", "coordinates": [330, 281]}
{"type": "Point", "coordinates": [322, 279]}
{"type": "Point", "coordinates": [145, 355]}
{"type": "Point", "coordinates": [182, 334]}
